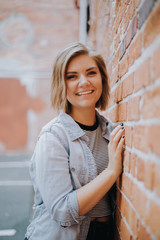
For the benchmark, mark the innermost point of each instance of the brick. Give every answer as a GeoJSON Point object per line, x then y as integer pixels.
{"type": "Point", "coordinates": [112, 114]}
{"type": "Point", "coordinates": [109, 69]}
{"type": "Point", "coordinates": [140, 134]}
{"type": "Point", "coordinates": [157, 179]}
{"type": "Point", "coordinates": [127, 211]}
{"type": "Point", "coordinates": [153, 139]}
{"type": "Point", "coordinates": [124, 65]}
{"type": "Point", "coordinates": [133, 164]}
{"type": "Point", "coordinates": [149, 175]}
{"type": "Point", "coordinates": [140, 168]}
{"type": "Point", "coordinates": [118, 93]}
{"type": "Point", "coordinates": [115, 59]}
{"type": "Point", "coordinates": [128, 85]}
{"type": "Point", "coordinates": [126, 161]}
{"type": "Point", "coordinates": [109, 52]}
{"type": "Point", "coordinates": [113, 34]}
{"type": "Point", "coordinates": [135, 49]}
{"type": "Point", "coordinates": [116, 26]}
{"type": "Point", "coordinates": [113, 97]}
{"type": "Point", "coordinates": [121, 204]}
{"type": "Point", "coordinates": [143, 233]}
{"type": "Point", "coordinates": [114, 77]}
{"type": "Point", "coordinates": [151, 106]}
{"type": "Point", "coordinates": [131, 9]}
{"type": "Point", "coordinates": [131, 32]}
{"type": "Point", "coordinates": [142, 76]}
{"type": "Point", "coordinates": [144, 12]}
{"type": "Point", "coordinates": [131, 219]}
{"type": "Point", "coordinates": [117, 7]}
{"type": "Point", "coordinates": [156, 68]}
{"type": "Point", "coordinates": [139, 201]}
{"type": "Point", "coordinates": [126, 186]}
{"type": "Point", "coordinates": [119, 17]}
{"type": "Point", "coordinates": [134, 108]}
{"type": "Point", "coordinates": [129, 14]}
{"type": "Point", "coordinates": [122, 112]}
{"type": "Point", "coordinates": [111, 100]}
{"type": "Point", "coordinates": [128, 136]}
{"type": "Point", "coordinates": [139, 182]}
{"type": "Point", "coordinates": [153, 218]}
{"type": "Point", "coordinates": [124, 231]}
{"type": "Point", "coordinates": [152, 27]}
{"type": "Point", "coordinates": [118, 218]}
{"type": "Point", "coordinates": [117, 41]}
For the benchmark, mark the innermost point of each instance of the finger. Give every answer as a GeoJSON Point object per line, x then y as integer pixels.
{"type": "Point", "coordinates": [118, 136]}
{"type": "Point", "coordinates": [120, 145]}
{"type": "Point", "coordinates": [114, 132]}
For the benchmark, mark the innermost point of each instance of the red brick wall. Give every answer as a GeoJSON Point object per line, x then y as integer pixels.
{"type": "Point", "coordinates": [31, 34]}
{"type": "Point", "coordinates": [127, 33]}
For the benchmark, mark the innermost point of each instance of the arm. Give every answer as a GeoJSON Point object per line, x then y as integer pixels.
{"type": "Point", "coordinates": [53, 179]}
{"type": "Point", "coordinates": [90, 194]}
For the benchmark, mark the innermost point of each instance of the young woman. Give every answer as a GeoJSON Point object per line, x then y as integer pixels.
{"type": "Point", "coordinates": [77, 159]}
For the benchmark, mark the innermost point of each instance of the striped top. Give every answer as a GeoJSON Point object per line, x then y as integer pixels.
{"type": "Point", "coordinates": [99, 148]}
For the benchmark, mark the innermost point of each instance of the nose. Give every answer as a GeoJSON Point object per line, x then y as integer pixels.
{"type": "Point", "coordinates": [83, 80]}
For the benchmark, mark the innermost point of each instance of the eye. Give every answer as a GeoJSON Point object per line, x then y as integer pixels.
{"type": "Point", "coordinates": [92, 73]}
{"type": "Point", "coordinates": [70, 77]}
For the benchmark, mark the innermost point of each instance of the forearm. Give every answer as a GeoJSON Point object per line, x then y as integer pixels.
{"type": "Point", "coordinates": [90, 194]}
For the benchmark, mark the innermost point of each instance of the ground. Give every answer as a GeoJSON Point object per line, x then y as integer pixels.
{"type": "Point", "coordinates": [16, 196]}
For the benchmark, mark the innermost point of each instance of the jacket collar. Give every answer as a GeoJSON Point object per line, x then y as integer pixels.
{"type": "Point", "coordinates": [75, 132]}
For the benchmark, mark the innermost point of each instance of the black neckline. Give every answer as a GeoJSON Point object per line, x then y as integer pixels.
{"type": "Point", "coordinates": [89, 128]}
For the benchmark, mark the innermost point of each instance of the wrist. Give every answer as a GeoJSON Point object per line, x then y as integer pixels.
{"type": "Point", "coordinates": [111, 174]}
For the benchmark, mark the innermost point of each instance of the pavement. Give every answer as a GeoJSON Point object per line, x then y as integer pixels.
{"type": "Point", "coordinates": [16, 196]}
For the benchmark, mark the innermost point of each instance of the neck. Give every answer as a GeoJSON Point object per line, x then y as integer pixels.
{"type": "Point", "coordinates": [84, 116]}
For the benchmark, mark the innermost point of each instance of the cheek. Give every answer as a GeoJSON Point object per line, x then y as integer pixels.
{"type": "Point", "coordinates": [69, 90]}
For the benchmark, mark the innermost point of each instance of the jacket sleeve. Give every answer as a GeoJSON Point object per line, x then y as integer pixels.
{"type": "Point", "coordinates": [54, 180]}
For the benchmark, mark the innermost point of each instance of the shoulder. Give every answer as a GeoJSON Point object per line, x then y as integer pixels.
{"type": "Point", "coordinates": [53, 133]}
{"type": "Point", "coordinates": [54, 125]}
{"type": "Point", "coordinates": [54, 128]}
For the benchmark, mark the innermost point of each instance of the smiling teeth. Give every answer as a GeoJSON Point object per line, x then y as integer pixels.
{"type": "Point", "coordinates": [84, 93]}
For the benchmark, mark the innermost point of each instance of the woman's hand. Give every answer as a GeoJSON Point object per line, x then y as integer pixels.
{"type": "Point", "coordinates": [91, 193]}
{"type": "Point", "coordinates": [115, 150]}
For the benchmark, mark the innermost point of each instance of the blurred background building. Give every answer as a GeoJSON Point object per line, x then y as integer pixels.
{"type": "Point", "coordinates": [31, 34]}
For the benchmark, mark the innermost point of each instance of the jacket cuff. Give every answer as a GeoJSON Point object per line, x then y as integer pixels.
{"type": "Point", "coordinates": [74, 211]}
{"type": "Point", "coordinates": [74, 207]}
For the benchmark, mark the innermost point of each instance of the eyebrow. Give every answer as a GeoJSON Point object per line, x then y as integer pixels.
{"type": "Point", "coordinates": [91, 68]}
{"type": "Point", "coordinates": [71, 72]}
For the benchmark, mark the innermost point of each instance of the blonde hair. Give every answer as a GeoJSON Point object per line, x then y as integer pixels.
{"type": "Point", "coordinates": [58, 87]}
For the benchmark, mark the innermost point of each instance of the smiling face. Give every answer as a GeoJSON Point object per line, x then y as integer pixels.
{"type": "Point", "coordinates": [83, 83]}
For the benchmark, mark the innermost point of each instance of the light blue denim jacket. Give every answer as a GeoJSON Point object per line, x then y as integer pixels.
{"type": "Point", "coordinates": [61, 163]}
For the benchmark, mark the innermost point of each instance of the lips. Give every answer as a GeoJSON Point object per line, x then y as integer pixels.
{"type": "Point", "coordinates": [84, 93]}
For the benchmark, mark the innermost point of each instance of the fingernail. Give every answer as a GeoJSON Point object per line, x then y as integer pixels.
{"type": "Point", "coordinates": [121, 124]}
{"type": "Point", "coordinates": [123, 136]}
{"type": "Point", "coordinates": [122, 128]}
